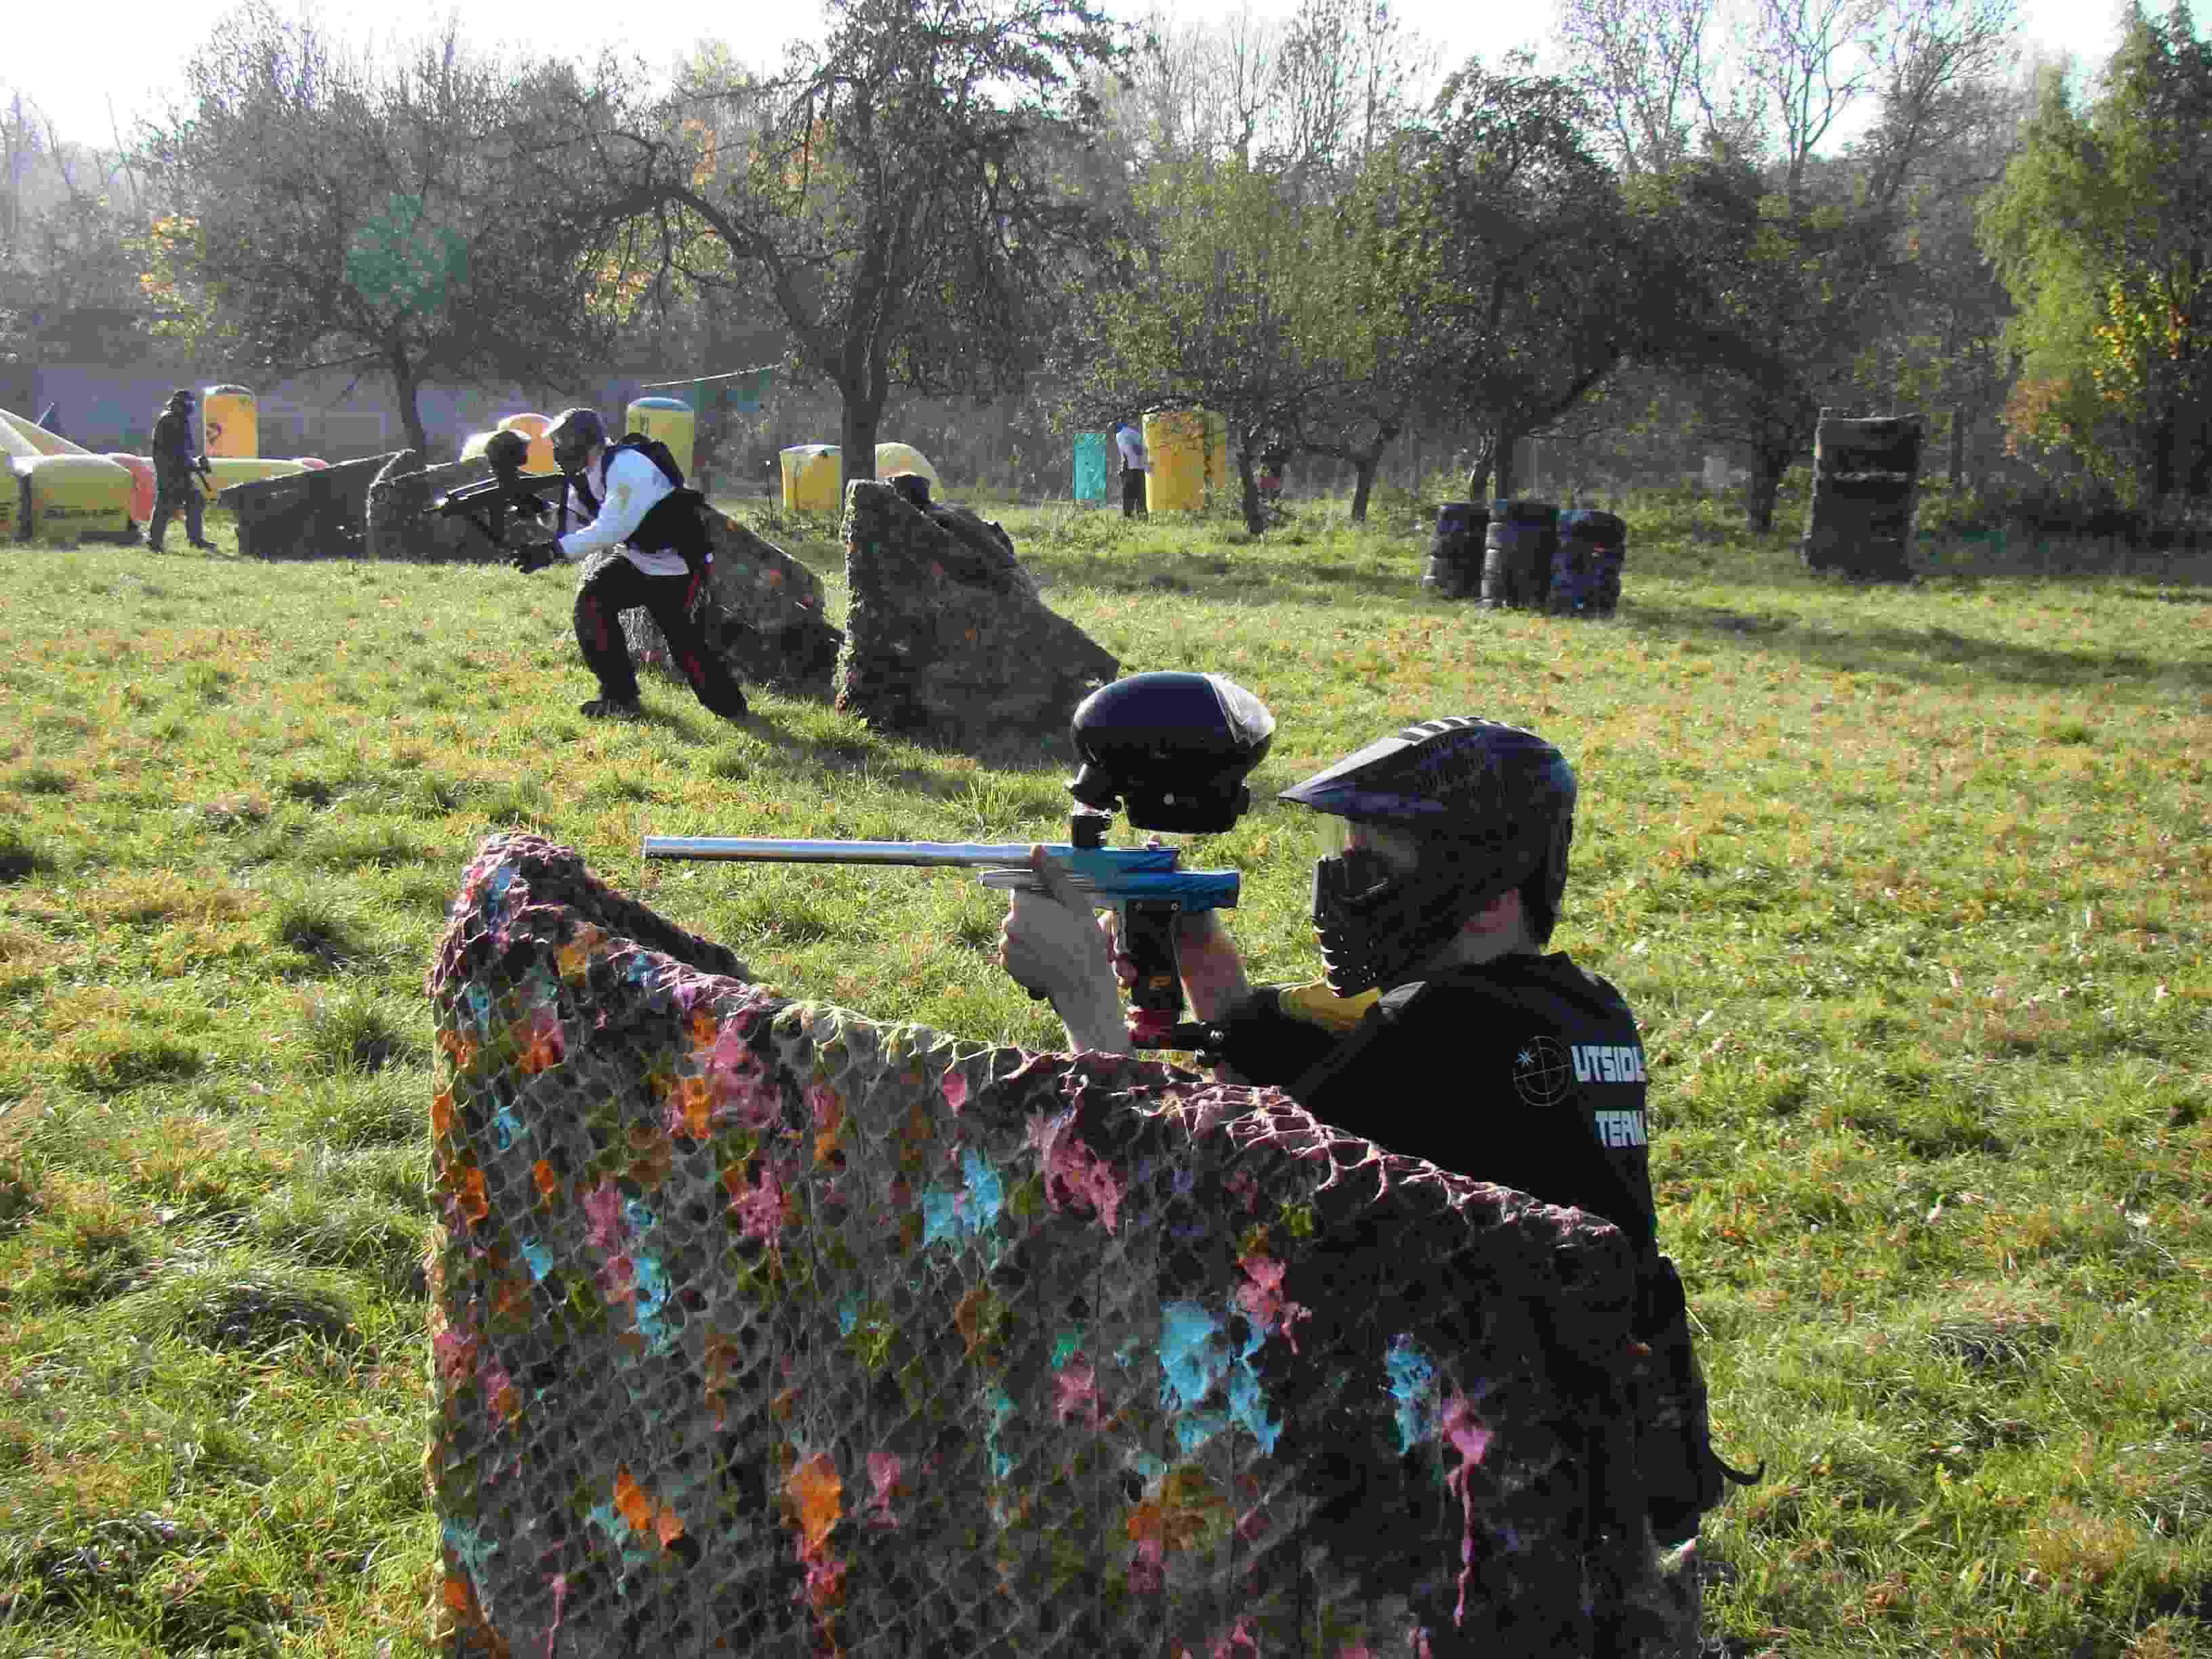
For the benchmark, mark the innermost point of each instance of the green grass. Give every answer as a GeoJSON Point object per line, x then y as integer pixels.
{"type": "Point", "coordinates": [1909, 886]}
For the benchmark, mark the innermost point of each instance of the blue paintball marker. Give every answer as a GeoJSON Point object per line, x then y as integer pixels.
{"type": "Point", "coordinates": [1172, 750]}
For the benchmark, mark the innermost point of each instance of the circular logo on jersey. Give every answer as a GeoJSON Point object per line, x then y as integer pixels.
{"type": "Point", "coordinates": [1542, 1073]}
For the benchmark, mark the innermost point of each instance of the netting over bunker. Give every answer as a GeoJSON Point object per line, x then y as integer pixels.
{"type": "Point", "coordinates": [760, 1327]}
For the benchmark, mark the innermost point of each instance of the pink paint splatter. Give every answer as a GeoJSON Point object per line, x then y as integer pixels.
{"type": "Point", "coordinates": [454, 1353]}
{"type": "Point", "coordinates": [500, 1399]}
{"type": "Point", "coordinates": [1072, 1172]}
{"type": "Point", "coordinates": [560, 1602]}
{"type": "Point", "coordinates": [1240, 1184]}
{"type": "Point", "coordinates": [1148, 1573]}
{"type": "Point", "coordinates": [744, 1093]}
{"type": "Point", "coordinates": [1253, 1523]}
{"type": "Point", "coordinates": [1261, 1297]}
{"type": "Point", "coordinates": [1472, 1439]}
{"type": "Point", "coordinates": [955, 1084]}
{"type": "Point", "coordinates": [884, 1474]}
{"type": "Point", "coordinates": [618, 1278]}
{"type": "Point", "coordinates": [1076, 1383]}
{"type": "Point", "coordinates": [1241, 1637]}
{"type": "Point", "coordinates": [602, 1215]}
{"type": "Point", "coordinates": [759, 1209]}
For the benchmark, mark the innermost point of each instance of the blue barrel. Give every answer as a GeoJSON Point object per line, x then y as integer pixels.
{"type": "Point", "coordinates": [1455, 568]}
{"type": "Point", "coordinates": [1516, 553]}
{"type": "Point", "coordinates": [1586, 564]}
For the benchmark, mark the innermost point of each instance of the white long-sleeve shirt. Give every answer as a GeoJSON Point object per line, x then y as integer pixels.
{"type": "Point", "coordinates": [1131, 442]}
{"type": "Point", "coordinates": [630, 486]}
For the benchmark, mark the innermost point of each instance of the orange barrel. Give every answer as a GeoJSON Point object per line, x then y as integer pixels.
{"type": "Point", "coordinates": [232, 421]}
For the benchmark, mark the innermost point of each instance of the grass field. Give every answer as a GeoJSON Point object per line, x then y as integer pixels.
{"type": "Point", "coordinates": [1910, 888]}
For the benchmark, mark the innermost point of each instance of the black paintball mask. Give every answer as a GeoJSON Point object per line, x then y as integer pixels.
{"type": "Point", "coordinates": [1436, 822]}
{"type": "Point", "coordinates": [573, 434]}
{"type": "Point", "coordinates": [1175, 748]}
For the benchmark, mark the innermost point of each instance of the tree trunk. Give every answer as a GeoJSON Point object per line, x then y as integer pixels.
{"type": "Point", "coordinates": [1759, 489]}
{"type": "Point", "coordinates": [856, 454]}
{"type": "Point", "coordinates": [1957, 444]}
{"type": "Point", "coordinates": [1503, 443]}
{"type": "Point", "coordinates": [1256, 510]}
{"type": "Point", "coordinates": [1363, 483]}
{"type": "Point", "coordinates": [406, 390]}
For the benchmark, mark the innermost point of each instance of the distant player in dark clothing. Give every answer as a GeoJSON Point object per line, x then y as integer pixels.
{"type": "Point", "coordinates": [177, 465]}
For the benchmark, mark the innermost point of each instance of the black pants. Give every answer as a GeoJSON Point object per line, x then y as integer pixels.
{"type": "Point", "coordinates": [169, 497]}
{"type": "Point", "coordinates": [618, 586]}
{"type": "Point", "coordinates": [1132, 491]}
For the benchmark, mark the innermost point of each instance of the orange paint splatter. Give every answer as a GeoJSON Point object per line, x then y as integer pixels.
{"type": "Point", "coordinates": [816, 1496]}
{"type": "Point", "coordinates": [548, 1179]}
{"type": "Point", "coordinates": [470, 1193]}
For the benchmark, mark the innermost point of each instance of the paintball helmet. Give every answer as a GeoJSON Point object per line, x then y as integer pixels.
{"type": "Point", "coordinates": [1173, 747]}
{"type": "Point", "coordinates": [506, 452]}
{"type": "Point", "coordinates": [1487, 808]}
{"type": "Point", "coordinates": [575, 434]}
{"type": "Point", "coordinates": [182, 398]}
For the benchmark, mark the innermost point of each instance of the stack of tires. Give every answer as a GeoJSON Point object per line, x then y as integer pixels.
{"type": "Point", "coordinates": [1586, 565]}
{"type": "Point", "coordinates": [1455, 568]}
{"type": "Point", "coordinates": [1516, 554]}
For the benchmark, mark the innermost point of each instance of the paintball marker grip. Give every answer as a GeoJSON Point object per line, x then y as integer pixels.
{"type": "Point", "coordinates": [1148, 935]}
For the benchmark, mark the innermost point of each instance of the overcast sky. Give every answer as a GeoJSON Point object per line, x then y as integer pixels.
{"type": "Point", "coordinates": [96, 72]}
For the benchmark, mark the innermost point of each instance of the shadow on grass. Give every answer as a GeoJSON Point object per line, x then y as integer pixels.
{"type": "Point", "coordinates": [1931, 656]}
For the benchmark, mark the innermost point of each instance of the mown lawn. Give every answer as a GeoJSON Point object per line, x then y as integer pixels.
{"type": "Point", "coordinates": [1909, 886]}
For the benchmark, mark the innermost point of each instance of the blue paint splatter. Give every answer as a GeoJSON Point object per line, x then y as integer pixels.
{"type": "Point", "coordinates": [501, 880]}
{"type": "Point", "coordinates": [848, 1316]}
{"type": "Point", "coordinates": [1064, 1348]}
{"type": "Point", "coordinates": [1413, 1384]}
{"type": "Point", "coordinates": [638, 1214]}
{"type": "Point", "coordinates": [1250, 1407]}
{"type": "Point", "coordinates": [539, 1259]}
{"type": "Point", "coordinates": [651, 1298]}
{"type": "Point", "coordinates": [984, 1193]}
{"type": "Point", "coordinates": [470, 1545]}
{"type": "Point", "coordinates": [1194, 1429]}
{"type": "Point", "coordinates": [1002, 1407]}
{"type": "Point", "coordinates": [1188, 1368]}
{"type": "Point", "coordinates": [479, 1008]}
{"type": "Point", "coordinates": [1193, 1363]}
{"type": "Point", "coordinates": [506, 1129]}
{"type": "Point", "coordinates": [941, 1220]}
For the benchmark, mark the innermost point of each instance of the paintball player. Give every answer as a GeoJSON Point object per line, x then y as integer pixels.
{"type": "Point", "coordinates": [177, 460]}
{"type": "Point", "coordinates": [1445, 1031]}
{"type": "Point", "coordinates": [1130, 441]}
{"type": "Point", "coordinates": [635, 506]}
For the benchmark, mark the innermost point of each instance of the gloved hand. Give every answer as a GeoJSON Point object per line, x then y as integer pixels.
{"type": "Point", "coordinates": [533, 555]}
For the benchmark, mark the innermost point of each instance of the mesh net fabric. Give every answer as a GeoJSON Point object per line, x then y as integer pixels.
{"type": "Point", "coordinates": [761, 1327]}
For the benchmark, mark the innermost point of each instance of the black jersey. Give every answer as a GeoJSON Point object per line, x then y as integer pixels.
{"type": "Point", "coordinates": [1527, 1072]}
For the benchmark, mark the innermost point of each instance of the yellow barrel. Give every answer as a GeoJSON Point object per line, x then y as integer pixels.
{"type": "Point", "coordinates": [670, 420]}
{"type": "Point", "coordinates": [70, 495]}
{"type": "Point", "coordinates": [1217, 449]}
{"type": "Point", "coordinates": [813, 474]}
{"type": "Point", "coordinates": [534, 428]}
{"type": "Point", "coordinates": [232, 421]}
{"type": "Point", "coordinates": [1175, 443]}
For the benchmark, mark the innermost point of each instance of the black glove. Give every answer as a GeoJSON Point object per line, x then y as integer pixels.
{"type": "Point", "coordinates": [533, 555]}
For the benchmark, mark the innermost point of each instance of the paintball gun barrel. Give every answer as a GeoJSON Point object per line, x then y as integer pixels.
{"type": "Point", "coordinates": [1147, 886]}
{"type": "Point", "coordinates": [1176, 747]}
{"type": "Point", "coordinates": [486, 503]}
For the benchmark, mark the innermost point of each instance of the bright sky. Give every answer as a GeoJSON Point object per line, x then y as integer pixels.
{"type": "Point", "coordinates": [96, 72]}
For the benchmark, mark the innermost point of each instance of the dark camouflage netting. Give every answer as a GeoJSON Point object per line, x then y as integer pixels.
{"type": "Point", "coordinates": [763, 1328]}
